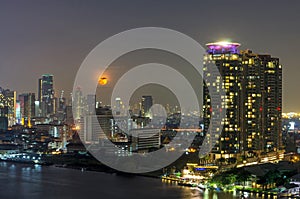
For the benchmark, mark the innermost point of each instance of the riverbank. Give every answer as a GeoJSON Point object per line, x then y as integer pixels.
{"type": "Point", "coordinates": [79, 162]}
{"type": "Point", "coordinates": [89, 163]}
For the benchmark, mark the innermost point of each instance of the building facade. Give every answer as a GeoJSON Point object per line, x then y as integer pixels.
{"type": "Point", "coordinates": [8, 103]}
{"type": "Point", "coordinates": [228, 61]}
{"type": "Point", "coordinates": [147, 103]}
{"type": "Point", "coordinates": [27, 107]}
{"type": "Point", "coordinates": [253, 100]}
{"type": "Point", "coordinates": [78, 104]}
{"type": "Point", "coordinates": [46, 95]}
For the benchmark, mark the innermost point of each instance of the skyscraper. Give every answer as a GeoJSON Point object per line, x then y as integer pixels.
{"type": "Point", "coordinates": [27, 106]}
{"type": "Point", "coordinates": [253, 85]}
{"type": "Point", "coordinates": [262, 98]}
{"type": "Point", "coordinates": [228, 61]}
{"type": "Point", "coordinates": [46, 95]}
{"type": "Point", "coordinates": [91, 103]}
{"type": "Point", "coordinates": [253, 100]}
{"type": "Point", "coordinates": [78, 104]}
{"type": "Point", "coordinates": [147, 103]}
{"type": "Point", "coordinates": [118, 104]}
{"type": "Point", "coordinates": [8, 102]}
{"type": "Point", "coordinates": [40, 89]}
{"type": "Point", "coordinates": [272, 102]}
{"type": "Point", "coordinates": [69, 120]}
{"type": "Point", "coordinates": [61, 104]}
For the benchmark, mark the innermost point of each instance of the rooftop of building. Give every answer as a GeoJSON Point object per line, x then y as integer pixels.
{"type": "Point", "coordinates": [223, 44]}
{"type": "Point", "coordinates": [223, 47]}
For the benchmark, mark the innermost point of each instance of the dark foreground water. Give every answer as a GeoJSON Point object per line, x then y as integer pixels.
{"type": "Point", "coordinates": [36, 182]}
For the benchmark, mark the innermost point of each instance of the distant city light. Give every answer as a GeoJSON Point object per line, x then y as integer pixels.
{"type": "Point", "coordinates": [292, 125]}
{"type": "Point", "coordinates": [290, 115]}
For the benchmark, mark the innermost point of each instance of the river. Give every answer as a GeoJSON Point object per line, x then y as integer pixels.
{"type": "Point", "coordinates": [21, 181]}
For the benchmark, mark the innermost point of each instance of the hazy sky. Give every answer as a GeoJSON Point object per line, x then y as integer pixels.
{"type": "Point", "coordinates": [38, 37]}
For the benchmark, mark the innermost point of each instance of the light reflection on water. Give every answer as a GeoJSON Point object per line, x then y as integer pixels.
{"type": "Point", "coordinates": [37, 182]}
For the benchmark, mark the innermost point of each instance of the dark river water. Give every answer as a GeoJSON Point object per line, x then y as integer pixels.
{"type": "Point", "coordinates": [37, 182]}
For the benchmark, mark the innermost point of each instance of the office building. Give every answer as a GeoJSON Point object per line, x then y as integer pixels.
{"type": "Point", "coordinates": [78, 104]}
{"type": "Point", "coordinates": [69, 120]}
{"type": "Point", "coordinates": [118, 106]}
{"type": "Point", "coordinates": [90, 131]}
{"type": "Point", "coordinates": [91, 104]}
{"type": "Point", "coordinates": [147, 103]}
{"type": "Point", "coordinates": [145, 139]}
{"type": "Point", "coordinates": [27, 106]}
{"type": "Point", "coordinates": [46, 95]}
{"type": "Point", "coordinates": [8, 103]}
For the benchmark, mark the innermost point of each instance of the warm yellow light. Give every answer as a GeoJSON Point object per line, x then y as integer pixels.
{"type": "Point", "coordinates": [223, 43]}
{"type": "Point", "coordinates": [29, 123]}
{"type": "Point", "coordinates": [191, 150]}
{"type": "Point", "coordinates": [103, 81]}
{"type": "Point", "coordinates": [77, 127]}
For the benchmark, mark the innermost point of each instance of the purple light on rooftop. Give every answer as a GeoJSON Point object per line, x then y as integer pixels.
{"type": "Point", "coordinates": [223, 47]}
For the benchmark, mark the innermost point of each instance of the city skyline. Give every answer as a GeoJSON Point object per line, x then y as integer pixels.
{"type": "Point", "coordinates": [149, 99]}
{"type": "Point", "coordinates": [150, 89]}
{"type": "Point", "coordinates": [58, 41]}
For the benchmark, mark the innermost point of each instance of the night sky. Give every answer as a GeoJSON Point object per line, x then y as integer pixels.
{"type": "Point", "coordinates": [38, 37]}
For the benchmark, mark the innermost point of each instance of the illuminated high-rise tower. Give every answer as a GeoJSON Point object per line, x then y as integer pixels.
{"type": "Point", "coordinates": [253, 100]}
{"type": "Point", "coordinates": [262, 99]}
{"type": "Point", "coordinates": [252, 127]}
{"type": "Point", "coordinates": [8, 102]}
{"type": "Point", "coordinates": [46, 95]}
{"type": "Point", "coordinates": [271, 108]}
{"type": "Point", "coordinates": [228, 61]}
{"type": "Point", "coordinates": [27, 106]}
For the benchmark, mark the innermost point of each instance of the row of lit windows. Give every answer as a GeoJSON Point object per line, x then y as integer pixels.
{"type": "Point", "coordinates": [249, 61]}
{"type": "Point", "coordinates": [222, 56]}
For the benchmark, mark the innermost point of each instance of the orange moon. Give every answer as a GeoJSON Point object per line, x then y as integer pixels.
{"type": "Point", "coordinates": [102, 81]}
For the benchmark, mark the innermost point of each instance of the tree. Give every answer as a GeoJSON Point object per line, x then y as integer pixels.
{"type": "Point", "coordinates": [224, 179]}
{"type": "Point", "coordinates": [243, 176]}
{"type": "Point", "coordinates": [271, 177]}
